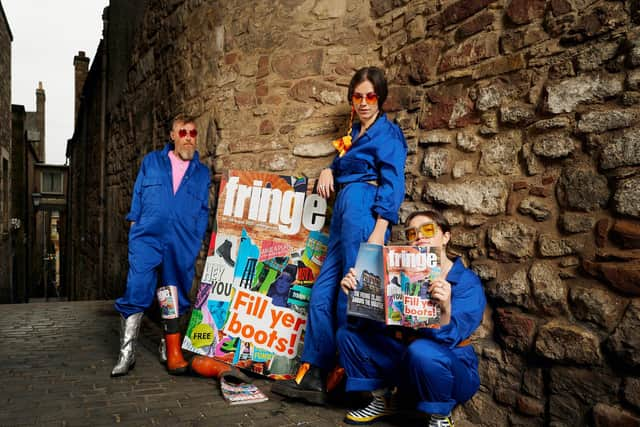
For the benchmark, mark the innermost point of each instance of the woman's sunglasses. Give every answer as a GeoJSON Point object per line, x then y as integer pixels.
{"type": "Point", "coordinates": [183, 132]}
{"type": "Point", "coordinates": [426, 230]}
{"type": "Point", "coordinates": [371, 98]}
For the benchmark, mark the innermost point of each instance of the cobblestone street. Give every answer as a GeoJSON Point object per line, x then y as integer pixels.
{"type": "Point", "coordinates": [57, 357]}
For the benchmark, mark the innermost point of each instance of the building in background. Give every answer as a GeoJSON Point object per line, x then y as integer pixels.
{"type": "Point", "coordinates": [8, 226]}
{"type": "Point", "coordinates": [32, 195]}
{"type": "Point", "coordinates": [39, 206]}
{"type": "Point", "coordinates": [49, 202]}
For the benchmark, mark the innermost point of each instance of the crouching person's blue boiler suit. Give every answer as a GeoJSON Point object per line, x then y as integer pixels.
{"type": "Point", "coordinates": [436, 366]}
{"type": "Point", "coordinates": [167, 230]}
{"type": "Point", "coordinates": [370, 183]}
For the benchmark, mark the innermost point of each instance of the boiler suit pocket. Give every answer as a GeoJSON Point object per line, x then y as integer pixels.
{"type": "Point", "coordinates": [151, 195]}
{"type": "Point", "coordinates": [196, 206]}
{"type": "Point", "coordinates": [135, 230]}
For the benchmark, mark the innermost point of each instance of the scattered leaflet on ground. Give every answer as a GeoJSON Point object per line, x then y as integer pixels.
{"type": "Point", "coordinates": [237, 392]}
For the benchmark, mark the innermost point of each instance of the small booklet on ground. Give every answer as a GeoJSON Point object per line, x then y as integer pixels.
{"type": "Point", "coordinates": [393, 285]}
{"type": "Point", "coordinates": [238, 392]}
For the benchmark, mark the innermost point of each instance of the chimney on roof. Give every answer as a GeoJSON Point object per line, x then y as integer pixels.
{"type": "Point", "coordinates": [81, 66]}
{"type": "Point", "coordinates": [40, 120]}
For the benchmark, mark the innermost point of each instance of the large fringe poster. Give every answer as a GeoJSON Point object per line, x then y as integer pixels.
{"type": "Point", "coordinates": [251, 306]}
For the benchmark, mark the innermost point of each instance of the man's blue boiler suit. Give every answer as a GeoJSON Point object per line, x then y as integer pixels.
{"type": "Point", "coordinates": [378, 156]}
{"type": "Point", "coordinates": [167, 231]}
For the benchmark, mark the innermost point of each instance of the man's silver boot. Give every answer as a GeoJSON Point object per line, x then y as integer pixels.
{"type": "Point", "coordinates": [162, 351]}
{"type": "Point", "coordinates": [129, 329]}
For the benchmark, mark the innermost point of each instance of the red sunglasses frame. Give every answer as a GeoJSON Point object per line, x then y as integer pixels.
{"type": "Point", "coordinates": [192, 133]}
{"type": "Point", "coordinates": [370, 98]}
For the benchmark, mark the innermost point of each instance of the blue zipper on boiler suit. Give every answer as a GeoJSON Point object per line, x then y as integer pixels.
{"type": "Point", "coordinates": [378, 155]}
{"type": "Point", "coordinates": [168, 230]}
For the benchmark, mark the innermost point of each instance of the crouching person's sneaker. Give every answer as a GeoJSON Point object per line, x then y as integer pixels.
{"type": "Point", "coordinates": [383, 404]}
{"type": "Point", "coordinates": [441, 421]}
{"type": "Point", "coordinates": [309, 385]}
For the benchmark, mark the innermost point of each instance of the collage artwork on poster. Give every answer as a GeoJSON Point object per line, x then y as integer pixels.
{"type": "Point", "coordinates": [270, 241]}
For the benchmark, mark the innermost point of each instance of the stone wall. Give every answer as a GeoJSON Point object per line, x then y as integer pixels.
{"type": "Point", "coordinates": [5, 157]}
{"type": "Point", "coordinates": [522, 121]}
{"type": "Point", "coordinates": [526, 132]}
{"type": "Point", "coordinates": [84, 216]}
{"type": "Point", "coordinates": [267, 94]}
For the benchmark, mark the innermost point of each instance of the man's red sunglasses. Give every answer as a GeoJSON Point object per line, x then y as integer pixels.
{"type": "Point", "coordinates": [183, 132]}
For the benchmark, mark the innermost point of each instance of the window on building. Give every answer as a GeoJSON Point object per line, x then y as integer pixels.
{"type": "Point", "coordinates": [52, 182]}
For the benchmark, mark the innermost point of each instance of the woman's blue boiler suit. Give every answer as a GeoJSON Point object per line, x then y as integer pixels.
{"type": "Point", "coordinates": [433, 366]}
{"type": "Point", "coordinates": [167, 231]}
{"type": "Point", "coordinates": [378, 155]}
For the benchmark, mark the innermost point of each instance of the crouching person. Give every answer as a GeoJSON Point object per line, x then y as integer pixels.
{"type": "Point", "coordinates": [436, 366]}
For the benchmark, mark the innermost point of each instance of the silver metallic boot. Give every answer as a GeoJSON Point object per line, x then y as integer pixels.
{"type": "Point", "coordinates": [129, 329]}
{"type": "Point", "coordinates": [162, 351]}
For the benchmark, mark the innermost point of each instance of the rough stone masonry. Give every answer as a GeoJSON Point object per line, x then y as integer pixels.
{"type": "Point", "coordinates": [522, 118]}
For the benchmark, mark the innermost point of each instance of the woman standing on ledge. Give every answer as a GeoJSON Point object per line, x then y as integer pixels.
{"type": "Point", "coordinates": [368, 176]}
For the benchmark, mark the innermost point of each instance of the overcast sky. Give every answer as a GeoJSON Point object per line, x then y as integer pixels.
{"type": "Point", "coordinates": [47, 34]}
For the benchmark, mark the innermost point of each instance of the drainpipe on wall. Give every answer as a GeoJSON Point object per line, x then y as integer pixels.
{"type": "Point", "coordinates": [70, 217]}
{"type": "Point", "coordinates": [27, 219]}
{"type": "Point", "coordinates": [103, 149]}
{"type": "Point", "coordinates": [29, 233]}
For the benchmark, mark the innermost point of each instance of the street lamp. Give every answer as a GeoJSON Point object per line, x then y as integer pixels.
{"type": "Point", "coordinates": [37, 200]}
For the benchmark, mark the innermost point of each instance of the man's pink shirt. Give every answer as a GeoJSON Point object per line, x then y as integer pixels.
{"type": "Point", "coordinates": [178, 168]}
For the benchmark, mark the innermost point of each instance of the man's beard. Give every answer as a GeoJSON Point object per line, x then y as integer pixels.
{"type": "Point", "coordinates": [186, 154]}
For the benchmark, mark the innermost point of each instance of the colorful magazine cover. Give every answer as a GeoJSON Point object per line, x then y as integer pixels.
{"type": "Point", "coordinates": [393, 285]}
{"type": "Point", "coordinates": [270, 242]}
{"type": "Point", "coordinates": [237, 392]}
{"type": "Point", "coordinates": [367, 300]}
{"type": "Point", "coordinates": [409, 271]}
